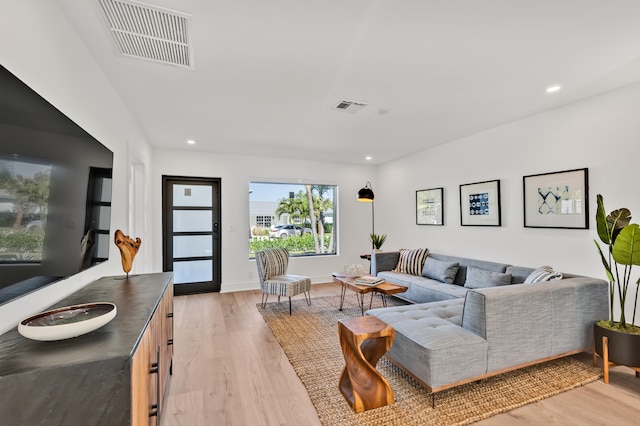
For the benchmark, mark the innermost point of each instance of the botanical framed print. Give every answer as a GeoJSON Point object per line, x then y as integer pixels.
{"type": "Point", "coordinates": [480, 204]}
{"type": "Point", "coordinates": [557, 200]}
{"type": "Point", "coordinates": [429, 207]}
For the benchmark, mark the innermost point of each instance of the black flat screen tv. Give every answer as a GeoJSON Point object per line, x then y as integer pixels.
{"type": "Point", "coordinates": [55, 193]}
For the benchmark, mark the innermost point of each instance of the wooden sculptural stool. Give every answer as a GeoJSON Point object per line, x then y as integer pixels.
{"type": "Point", "coordinates": [364, 341]}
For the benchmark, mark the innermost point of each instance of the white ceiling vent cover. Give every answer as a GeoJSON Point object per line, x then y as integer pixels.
{"type": "Point", "coordinates": [351, 106]}
{"type": "Point", "coordinates": [150, 32]}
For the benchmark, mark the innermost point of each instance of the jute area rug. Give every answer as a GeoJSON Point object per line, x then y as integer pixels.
{"type": "Point", "coordinates": [309, 337]}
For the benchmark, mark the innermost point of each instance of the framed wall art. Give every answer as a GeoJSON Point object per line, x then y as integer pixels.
{"type": "Point", "coordinates": [480, 204]}
{"type": "Point", "coordinates": [429, 206]}
{"type": "Point", "coordinates": [557, 200]}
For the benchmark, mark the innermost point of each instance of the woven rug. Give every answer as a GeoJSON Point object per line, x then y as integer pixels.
{"type": "Point", "coordinates": [309, 337]}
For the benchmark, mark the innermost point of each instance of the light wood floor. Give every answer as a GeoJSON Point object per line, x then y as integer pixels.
{"type": "Point", "coordinates": [228, 369]}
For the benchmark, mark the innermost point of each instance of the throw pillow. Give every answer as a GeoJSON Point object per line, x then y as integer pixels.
{"type": "Point", "coordinates": [479, 278]}
{"type": "Point", "coordinates": [411, 261]}
{"type": "Point", "coordinates": [541, 274]}
{"type": "Point", "coordinates": [440, 270]}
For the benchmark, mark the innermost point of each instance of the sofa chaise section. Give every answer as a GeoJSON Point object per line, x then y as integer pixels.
{"type": "Point", "coordinates": [500, 329]}
{"type": "Point", "coordinates": [429, 337]}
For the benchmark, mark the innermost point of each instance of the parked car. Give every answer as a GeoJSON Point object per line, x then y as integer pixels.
{"type": "Point", "coordinates": [34, 225]}
{"type": "Point", "coordinates": [284, 231]}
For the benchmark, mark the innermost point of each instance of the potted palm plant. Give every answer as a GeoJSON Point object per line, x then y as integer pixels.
{"type": "Point", "coordinates": [622, 252]}
{"type": "Point", "coordinates": [377, 240]}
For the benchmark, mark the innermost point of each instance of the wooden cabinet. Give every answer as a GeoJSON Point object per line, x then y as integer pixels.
{"type": "Point", "coordinates": [116, 375]}
{"type": "Point", "coordinates": [151, 365]}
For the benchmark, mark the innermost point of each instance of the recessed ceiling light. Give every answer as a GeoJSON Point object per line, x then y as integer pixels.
{"type": "Point", "coordinates": [553, 89]}
{"type": "Point", "coordinates": [368, 157]}
{"type": "Point", "coordinates": [191, 142]}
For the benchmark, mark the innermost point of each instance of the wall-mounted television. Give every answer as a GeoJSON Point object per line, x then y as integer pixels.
{"type": "Point", "coordinates": [55, 193]}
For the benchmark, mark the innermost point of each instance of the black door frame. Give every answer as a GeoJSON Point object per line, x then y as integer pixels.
{"type": "Point", "coordinates": [167, 231]}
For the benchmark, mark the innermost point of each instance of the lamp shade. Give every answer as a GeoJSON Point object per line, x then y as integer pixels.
{"type": "Point", "coordinates": [366, 194]}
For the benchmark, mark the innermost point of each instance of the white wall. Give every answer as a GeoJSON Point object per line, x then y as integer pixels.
{"type": "Point", "coordinates": [238, 272]}
{"type": "Point", "coordinates": [602, 133]}
{"type": "Point", "coordinates": [51, 59]}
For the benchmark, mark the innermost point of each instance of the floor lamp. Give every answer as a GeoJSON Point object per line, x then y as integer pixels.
{"type": "Point", "coordinates": [365, 195]}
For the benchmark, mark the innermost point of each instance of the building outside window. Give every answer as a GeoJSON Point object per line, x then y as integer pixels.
{"type": "Point", "coordinates": [297, 216]}
{"type": "Point", "coordinates": [263, 221]}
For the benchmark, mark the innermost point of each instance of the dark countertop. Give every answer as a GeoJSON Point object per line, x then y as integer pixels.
{"type": "Point", "coordinates": [136, 299]}
{"type": "Point", "coordinates": [86, 379]}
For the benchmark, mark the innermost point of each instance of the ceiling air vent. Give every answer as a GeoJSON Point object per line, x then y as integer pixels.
{"type": "Point", "coordinates": [150, 32]}
{"type": "Point", "coordinates": [351, 106]}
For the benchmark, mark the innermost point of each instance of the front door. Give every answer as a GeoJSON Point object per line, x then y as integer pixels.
{"type": "Point", "coordinates": [191, 233]}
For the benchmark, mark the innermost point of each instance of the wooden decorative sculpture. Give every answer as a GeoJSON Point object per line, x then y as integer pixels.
{"type": "Point", "coordinates": [364, 340]}
{"type": "Point", "coordinates": [128, 249]}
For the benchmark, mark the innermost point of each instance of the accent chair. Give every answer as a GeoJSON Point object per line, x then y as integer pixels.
{"type": "Point", "coordinates": [272, 270]}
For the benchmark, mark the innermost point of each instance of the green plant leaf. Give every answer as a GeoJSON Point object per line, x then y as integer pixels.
{"type": "Point", "coordinates": [626, 248]}
{"type": "Point", "coordinates": [601, 222]}
{"type": "Point", "coordinates": [377, 239]}
{"type": "Point", "coordinates": [607, 267]}
{"type": "Point", "coordinates": [617, 220]}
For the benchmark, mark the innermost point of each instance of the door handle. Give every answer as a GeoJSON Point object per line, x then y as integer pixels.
{"type": "Point", "coordinates": [216, 227]}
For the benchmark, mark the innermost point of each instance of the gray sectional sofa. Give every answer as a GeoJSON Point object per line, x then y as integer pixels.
{"type": "Point", "coordinates": [454, 334]}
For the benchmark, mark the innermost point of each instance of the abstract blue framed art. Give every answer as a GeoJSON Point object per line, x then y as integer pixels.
{"type": "Point", "coordinates": [480, 204]}
{"type": "Point", "coordinates": [557, 199]}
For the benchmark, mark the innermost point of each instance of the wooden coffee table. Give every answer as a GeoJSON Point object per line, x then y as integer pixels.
{"type": "Point", "coordinates": [383, 289]}
{"type": "Point", "coordinates": [364, 340]}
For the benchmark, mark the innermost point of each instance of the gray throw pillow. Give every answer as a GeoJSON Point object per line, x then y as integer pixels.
{"type": "Point", "coordinates": [479, 278]}
{"type": "Point", "coordinates": [441, 271]}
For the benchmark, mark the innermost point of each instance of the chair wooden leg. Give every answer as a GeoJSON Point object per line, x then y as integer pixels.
{"type": "Point", "coordinates": [265, 297]}
{"type": "Point", "coordinates": [289, 305]}
{"type": "Point", "coordinates": [605, 358]}
{"type": "Point", "coordinates": [307, 297]}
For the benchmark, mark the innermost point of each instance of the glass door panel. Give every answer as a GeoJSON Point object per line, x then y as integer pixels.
{"type": "Point", "coordinates": [192, 221]}
{"type": "Point", "coordinates": [192, 271]}
{"type": "Point", "coordinates": [192, 246]}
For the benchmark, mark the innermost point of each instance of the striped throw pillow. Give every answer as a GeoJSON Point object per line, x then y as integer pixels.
{"type": "Point", "coordinates": [543, 273]}
{"type": "Point", "coordinates": [411, 261]}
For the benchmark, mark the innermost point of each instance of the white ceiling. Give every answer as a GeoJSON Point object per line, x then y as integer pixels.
{"type": "Point", "coordinates": [268, 74]}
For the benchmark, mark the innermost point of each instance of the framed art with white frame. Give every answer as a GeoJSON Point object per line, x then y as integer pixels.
{"type": "Point", "coordinates": [557, 199]}
{"type": "Point", "coordinates": [480, 204]}
{"type": "Point", "coordinates": [429, 206]}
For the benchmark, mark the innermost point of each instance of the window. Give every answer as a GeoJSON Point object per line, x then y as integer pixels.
{"type": "Point", "coordinates": [263, 221]}
{"type": "Point", "coordinates": [280, 215]}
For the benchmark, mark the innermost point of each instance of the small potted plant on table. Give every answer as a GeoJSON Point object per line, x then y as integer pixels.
{"type": "Point", "coordinates": [377, 240]}
{"type": "Point", "coordinates": [618, 341]}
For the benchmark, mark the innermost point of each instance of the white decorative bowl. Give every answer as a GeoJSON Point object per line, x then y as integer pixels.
{"type": "Point", "coordinates": [67, 322]}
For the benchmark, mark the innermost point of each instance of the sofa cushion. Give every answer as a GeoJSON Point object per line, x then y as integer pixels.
{"type": "Point", "coordinates": [543, 273]}
{"type": "Point", "coordinates": [450, 310]}
{"type": "Point", "coordinates": [518, 273]}
{"type": "Point", "coordinates": [428, 290]}
{"type": "Point", "coordinates": [479, 278]}
{"type": "Point", "coordinates": [440, 270]}
{"type": "Point", "coordinates": [411, 261]}
{"type": "Point", "coordinates": [466, 262]}
{"type": "Point", "coordinates": [429, 343]}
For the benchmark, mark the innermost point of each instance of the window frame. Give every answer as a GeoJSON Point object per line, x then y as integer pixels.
{"type": "Point", "coordinates": [331, 237]}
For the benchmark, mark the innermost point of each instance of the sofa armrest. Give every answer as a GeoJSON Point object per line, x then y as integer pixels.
{"type": "Point", "coordinates": [383, 261]}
